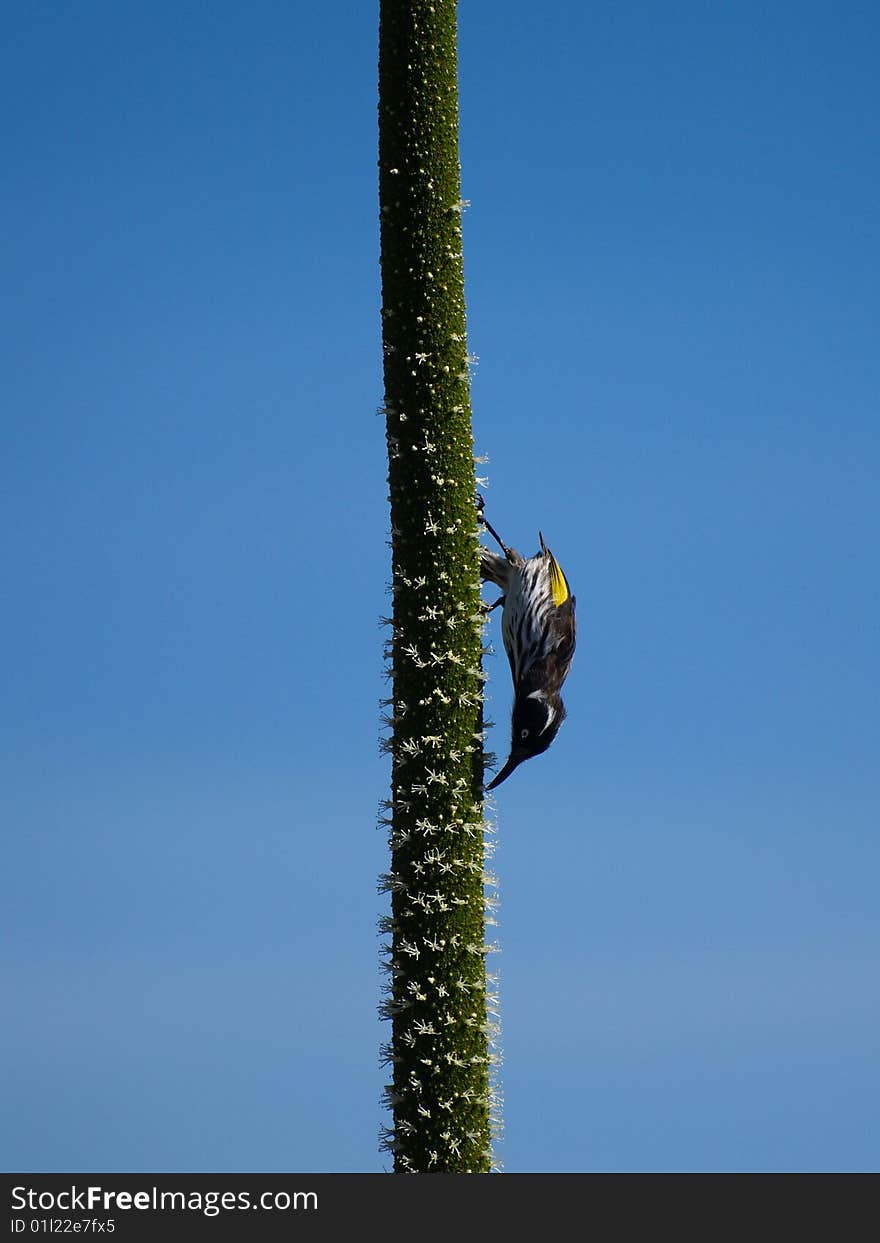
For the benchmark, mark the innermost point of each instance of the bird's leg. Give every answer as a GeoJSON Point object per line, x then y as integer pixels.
{"type": "Point", "coordinates": [511, 554]}
{"type": "Point", "coordinates": [497, 538]}
{"type": "Point", "coordinates": [489, 607]}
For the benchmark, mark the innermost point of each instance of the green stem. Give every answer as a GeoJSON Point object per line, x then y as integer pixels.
{"type": "Point", "coordinates": [437, 1003]}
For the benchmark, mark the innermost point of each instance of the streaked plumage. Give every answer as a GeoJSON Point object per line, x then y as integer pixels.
{"type": "Point", "coordinates": [539, 633]}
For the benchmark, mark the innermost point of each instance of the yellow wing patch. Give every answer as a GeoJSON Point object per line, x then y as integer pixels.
{"type": "Point", "coordinates": [558, 585]}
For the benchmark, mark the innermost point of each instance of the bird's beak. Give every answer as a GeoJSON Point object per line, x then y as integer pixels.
{"type": "Point", "coordinates": [514, 762]}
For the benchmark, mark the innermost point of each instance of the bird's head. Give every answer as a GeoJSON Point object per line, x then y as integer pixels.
{"type": "Point", "coordinates": [537, 717]}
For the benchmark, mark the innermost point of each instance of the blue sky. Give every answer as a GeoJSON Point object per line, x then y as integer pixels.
{"type": "Point", "coordinates": [672, 269]}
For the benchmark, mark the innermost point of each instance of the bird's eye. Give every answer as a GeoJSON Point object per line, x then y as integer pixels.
{"type": "Point", "coordinates": [524, 734]}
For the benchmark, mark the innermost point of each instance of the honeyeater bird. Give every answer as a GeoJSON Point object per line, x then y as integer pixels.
{"type": "Point", "coordinates": [538, 628]}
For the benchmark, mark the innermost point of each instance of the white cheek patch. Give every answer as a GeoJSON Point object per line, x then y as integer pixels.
{"type": "Point", "coordinates": [551, 712]}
